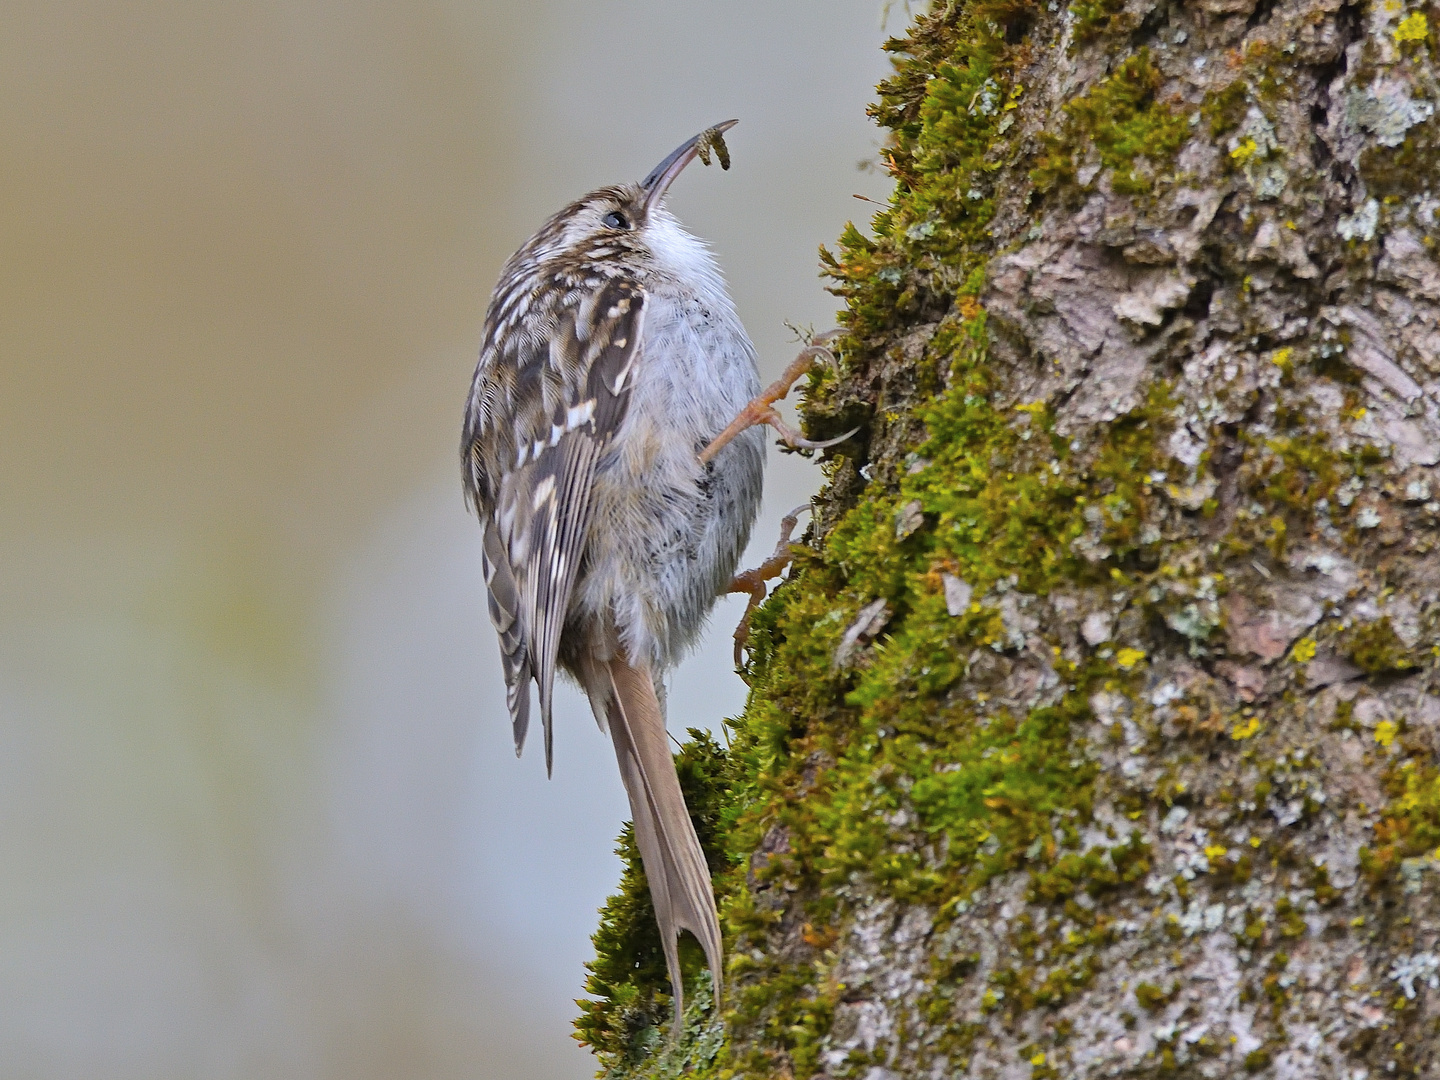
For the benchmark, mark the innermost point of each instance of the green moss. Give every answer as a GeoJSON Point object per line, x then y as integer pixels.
{"type": "Point", "coordinates": [1250, 936]}
{"type": "Point", "coordinates": [1098, 870]}
{"type": "Point", "coordinates": [1273, 987]}
{"type": "Point", "coordinates": [952, 97]}
{"type": "Point", "coordinates": [1225, 108]}
{"type": "Point", "coordinates": [1018, 989]}
{"type": "Point", "coordinates": [1377, 649]}
{"type": "Point", "coordinates": [1152, 999]}
{"type": "Point", "coordinates": [1303, 470]}
{"type": "Point", "coordinates": [1289, 921]}
{"type": "Point", "coordinates": [1326, 894]}
{"type": "Point", "coordinates": [1134, 134]}
{"type": "Point", "coordinates": [1288, 475]}
{"type": "Point", "coordinates": [1099, 18]}
{"type": "Point", "coordinates": [1409, 825]}
{"type": "Point", "coordinates": [1256, 1060]}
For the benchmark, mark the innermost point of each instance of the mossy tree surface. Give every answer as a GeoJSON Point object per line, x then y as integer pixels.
{"type": "Point", "coordinates": [1094, 732]}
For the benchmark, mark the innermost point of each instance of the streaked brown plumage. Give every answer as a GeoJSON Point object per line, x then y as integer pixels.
{"type": "Point", "coordinates": [612, 356]}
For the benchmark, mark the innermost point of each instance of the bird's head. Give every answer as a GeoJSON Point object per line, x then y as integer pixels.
{"type": "Point", "coordinates": [627, 217]}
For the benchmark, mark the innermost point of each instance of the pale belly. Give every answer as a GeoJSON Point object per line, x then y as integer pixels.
{"type": "Point", "coordinates": [666, 533]}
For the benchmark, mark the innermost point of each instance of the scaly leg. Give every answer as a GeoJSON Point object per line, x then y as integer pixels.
{"type": "Point", "coordinates": [762, 409]}
{"type": "Point", "coordinates": [753, 581]}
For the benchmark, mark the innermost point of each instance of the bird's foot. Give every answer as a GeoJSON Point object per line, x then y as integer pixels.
{"type": "Point", "coordinates": [753, 581]}
{"type": "Point", "coordinates": [762, 409]}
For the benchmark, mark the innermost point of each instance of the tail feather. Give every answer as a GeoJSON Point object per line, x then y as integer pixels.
{"type": "Point", "coordinates": [674, 863]}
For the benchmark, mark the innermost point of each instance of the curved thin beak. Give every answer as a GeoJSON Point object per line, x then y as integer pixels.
{"type": "Point", "coordinates": [660, 178]}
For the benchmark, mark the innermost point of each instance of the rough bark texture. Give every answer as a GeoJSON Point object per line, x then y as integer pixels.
{"type": "Point", "coordinates": [1095, 731]}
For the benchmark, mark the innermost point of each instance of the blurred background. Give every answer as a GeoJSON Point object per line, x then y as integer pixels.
{"type": "Point", "coordinates": [259, 811]}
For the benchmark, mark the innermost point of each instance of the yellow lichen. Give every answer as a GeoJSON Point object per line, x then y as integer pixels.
{"type": "Point", "coordinates": [1128, 658]}
{"type": "Point", "coordinates": [1414, 27]}
{"type": "Point", "coordinates": [1244, 152]}
{"type": "Point", "coordinates": [1303, 651]}
{"type": "Point", "coordinates": [1245, 730]}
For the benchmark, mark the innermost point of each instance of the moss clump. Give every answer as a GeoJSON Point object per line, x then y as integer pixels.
{"type": "Point", "coordinates": [1134, 134]}
{"type": "Point", "coordinates": [1409, 825]}
{"type": "Point", "coordinates": [1288, 475]}
{"type": "Point", "coordinates": [1098, 870]}
{"type": "Point", "coordinates": [1289, 920]}
{"type": "Point", "coordinates": [1224, 109]}
{"type": "Point", "coordinates": [951, 99]}
{"type": "Point", "coordinates": [1256, 1060]}
{"type": "Point", "coordinates": [1303, 470]}
{"type": "Point", "coordinates": [1152, 999]}
{"type": "Point", "coordinates": [1393, 173]}
{"type": "Point", "coordinates": [1100, 18]}
{"type": "Point", "coordinates": [1377, 649]}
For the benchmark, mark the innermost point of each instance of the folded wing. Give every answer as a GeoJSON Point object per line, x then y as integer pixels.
{"type": "Point", "coordinates": [540, 417]}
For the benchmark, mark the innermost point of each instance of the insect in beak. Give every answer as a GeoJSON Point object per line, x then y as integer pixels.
{"type": "Point", "coordinates": [713, 138]}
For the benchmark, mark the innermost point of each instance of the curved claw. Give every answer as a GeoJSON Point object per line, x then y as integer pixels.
{"type": "Point", "coordinates": [796, 441]}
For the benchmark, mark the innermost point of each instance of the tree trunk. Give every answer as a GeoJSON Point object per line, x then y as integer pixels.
{"type": "Point", "coordinates": [1094, 732]}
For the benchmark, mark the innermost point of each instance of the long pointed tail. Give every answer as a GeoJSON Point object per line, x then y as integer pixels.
{"type": "Point", "coordinates": [674, 864]}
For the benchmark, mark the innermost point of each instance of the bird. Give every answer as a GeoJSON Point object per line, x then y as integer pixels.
{"type": "Point", "coordinates": [612, 357]}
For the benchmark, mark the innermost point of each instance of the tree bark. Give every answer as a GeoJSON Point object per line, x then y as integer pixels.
{"type": "Point", "coordinates": [1094, 732]}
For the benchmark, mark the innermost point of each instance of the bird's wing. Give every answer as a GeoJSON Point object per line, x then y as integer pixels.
{"type": "Point", "coordinates": [542, 412]}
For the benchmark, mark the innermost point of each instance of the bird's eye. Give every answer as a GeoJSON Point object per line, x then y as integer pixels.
{"type": "Point", "coordinates": [615, 220]}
